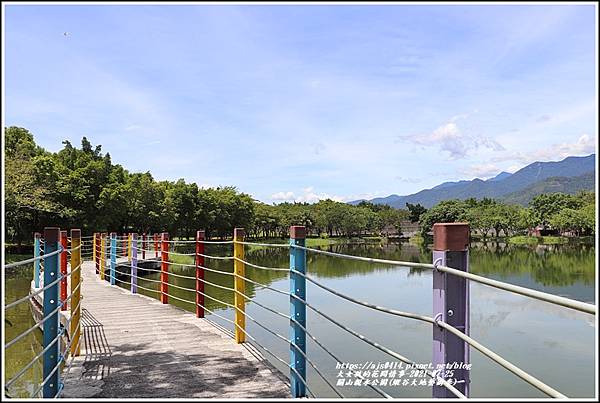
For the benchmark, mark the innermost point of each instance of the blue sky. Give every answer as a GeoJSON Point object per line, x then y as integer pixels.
{"type": "Point", "coordinates": [307, 102]}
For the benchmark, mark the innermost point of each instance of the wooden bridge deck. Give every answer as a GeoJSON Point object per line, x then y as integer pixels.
{"type": "Point", "coordinates": [134, 346]}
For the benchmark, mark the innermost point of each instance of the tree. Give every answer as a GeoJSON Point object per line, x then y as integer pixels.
{"type": "Point", "coordinates": [445, 212]}
{"type": "Point", "coordinates": [415, 211]}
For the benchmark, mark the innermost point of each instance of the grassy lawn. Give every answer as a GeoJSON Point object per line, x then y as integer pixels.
{"type": "Point", "coordinates": [534, 240]}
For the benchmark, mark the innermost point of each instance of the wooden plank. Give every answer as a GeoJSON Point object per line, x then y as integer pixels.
{"type": "Point", "coordinates": [134, 346]}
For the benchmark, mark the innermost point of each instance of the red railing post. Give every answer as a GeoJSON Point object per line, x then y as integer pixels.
{"type": "Point", "coordinates": [199, 274]}
{"type": "Point", "coordinates": [164, 269]}
{"type": "Point", "coordinates": [63, 270]}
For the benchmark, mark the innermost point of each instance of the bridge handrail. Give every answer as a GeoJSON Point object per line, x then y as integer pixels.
{"type": "Point", "coordinates": [484, 350]}
{"type": "Point", "coordinates": [33, 259]}
{"type": "Point", "coordinates": [554, 299]}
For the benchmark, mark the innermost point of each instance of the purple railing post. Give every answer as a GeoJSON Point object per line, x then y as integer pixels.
{"type": "Point", "coordinates": [133, 274]}
{"type": "Point", "coordinates": [450, 305]}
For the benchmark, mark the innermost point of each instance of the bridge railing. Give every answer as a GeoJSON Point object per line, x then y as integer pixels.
{"type": "Point", "coordinates": [61, 340]}
{"type": "Point", "coordinates": [450, 293]}
{"type": "Point", "coordinates": [449, 319]}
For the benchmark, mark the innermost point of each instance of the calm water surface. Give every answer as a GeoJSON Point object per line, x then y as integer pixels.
{"type": "Point", "coordinates": [552, 343]}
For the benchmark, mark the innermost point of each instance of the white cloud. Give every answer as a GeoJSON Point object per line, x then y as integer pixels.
{"type": "Point", "coordinates": [584, 145]}
{"type": "Point", "coordinates": [308, 195]}
{"type": "Point", "coordinates": [450, 138]}
{"type": "Point", "coordinates": [407, 180]}
{"type": "Point", "coordinates": [482, 171]}
{"type": "Point", "coordinates": [283, 196]}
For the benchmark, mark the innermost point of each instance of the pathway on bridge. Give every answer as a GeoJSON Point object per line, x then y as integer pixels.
{"type": "Point", "coordinates": [134, 346]}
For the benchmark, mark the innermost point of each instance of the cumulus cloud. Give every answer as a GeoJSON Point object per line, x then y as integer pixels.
{"type": "Point", "coordinates": [308, 195]}
{"type": "Point", "coordinates": [481, 171]}
{"type": "Point", "coordinates": [584, 145]}
{"type": "Point", "coordinates": [451, 138]}
{"type": "Point", "coordinates": [283, 196]}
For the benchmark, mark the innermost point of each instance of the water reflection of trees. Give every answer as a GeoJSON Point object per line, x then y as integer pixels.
{"type": "Point", "coordinates": [549, 265]}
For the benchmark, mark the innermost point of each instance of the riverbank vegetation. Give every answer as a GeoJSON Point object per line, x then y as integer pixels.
{"type": "Point", "coordinates": [81, 187]}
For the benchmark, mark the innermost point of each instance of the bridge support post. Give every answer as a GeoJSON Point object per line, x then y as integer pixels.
{"type": "Point", "coordinates": [113, 256]}
{"type": "Point", "coordinates": [239, 286]}
{"type": "Point", "coordinates": [37, 245]}
{"type": "Point", "coordinates": [97, 252]}
{"type": "Point", "coordinates": [200, 236]}
{"type": "Point", "coordinates": [94, 249]}
{"type": "Point", "coordinates": [144, 246]}
{"type": "Point", "coordinates": [63, 270]}
{"type": "Point", "coordinates": [156, 245]}
{"type": "Point", "coordinates": [164, 269]}
{"type": "Point", "coordinates": [51, 315]}
{"type": "Point", "coordinates": [75, 291]}
{"type": "Point", "coordinates": [102, 255]}
{"type": "Point", "coordinates": [129, 247]}
{"type": "Point", "coordinates": [298, 312]}
{"type": "Point", "coordinates": [450, 305]}
{"type": "Point", "coordinates": [133, 277]}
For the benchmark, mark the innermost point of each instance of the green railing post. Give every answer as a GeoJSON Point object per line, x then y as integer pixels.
{"type": "Point", "coordinates": [298, 312]}
{"type": "Point", "coordinates": [51, 325]}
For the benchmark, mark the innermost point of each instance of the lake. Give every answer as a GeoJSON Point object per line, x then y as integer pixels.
{"type": "Point", "coordinates": [555, 344]}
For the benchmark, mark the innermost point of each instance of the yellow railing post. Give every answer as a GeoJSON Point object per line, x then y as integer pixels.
{"type": "Point", "coordinates": [75, 291]}
{"type": "Point", "coordinates": [102, 255]}
{"type": "Point", "coordinates": [239, 286]}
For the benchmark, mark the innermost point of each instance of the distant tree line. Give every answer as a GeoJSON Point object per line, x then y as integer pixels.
{"type": "Point", "coordinates": [82, 188]}
{"type": "Point", "coordinates": [564, 213]}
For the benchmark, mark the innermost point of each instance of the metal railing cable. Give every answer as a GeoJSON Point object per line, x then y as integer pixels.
{"type": "Point", "coordinates": [41, 386]}
{"type": "Point", "coordinates": [258, 344]}
{"type": "Point", "coordinates": [554, 299]}
{"type": "Point", "coordinates": [243, 312]}
{"type": "Point", "coordinates": [505, 363]}
{"type": "Point", "coordinates": [68, 369]}
{"type": "Point", "coordinates": [318, 343]}
{"type": "Point", "coordinates": [26, 367]}
{"type": "Point", "coordinates": [366, 304]}
{"type": "Point", "coordinates": [38, 324]}
{"type": "Point", "coordinates": [41, 290]}
{"type": "Point", "coordinates": [33, 259]}
{"type": "Point", "coordinates": [484, 350]}
{"type": "Point", "coordinates": [380, 347]}
{"type": "Point", "coordinates": [275, 245]}
{"type": "Point", "coordinates": [260, 267]}
{"type": "Point", "coordinates": [198, 241]}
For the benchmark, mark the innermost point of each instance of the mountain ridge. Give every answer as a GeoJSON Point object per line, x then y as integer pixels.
{"type": "Point", "coordinates": [501, 185]}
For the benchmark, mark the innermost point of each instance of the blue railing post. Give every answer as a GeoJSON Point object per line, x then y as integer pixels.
{"type": "Point", "coordinates": [298, 311]}
{"type": "Point", "coordinates": [36, 253]}
{"type": "Point", "coordinates": [113, 256]}
{"type": "Point", "coordinates": [133, 276]}
{"type": "Point", "coordinates": [450, 305]}
{"type": "Point", "coordinates": [51, 325]}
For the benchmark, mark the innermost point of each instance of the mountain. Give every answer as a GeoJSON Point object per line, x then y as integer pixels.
{"type": "Point", "coordinates": [503, 184]}
{"type": "Point", "coordinates": [555, 184]}
{"type": "Point", "coordinates": [499, 177]}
